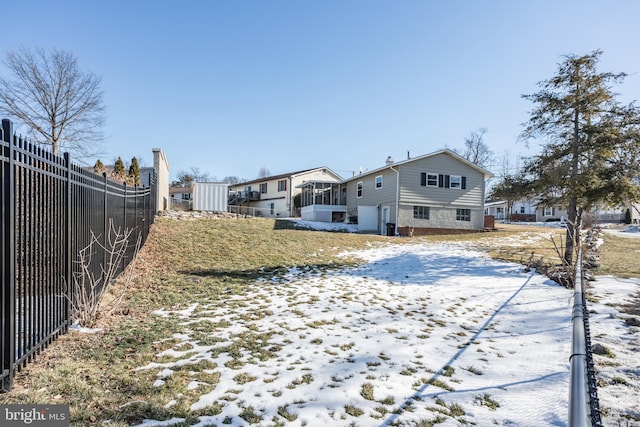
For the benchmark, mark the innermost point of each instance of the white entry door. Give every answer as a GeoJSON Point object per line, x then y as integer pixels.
{"type": "Point", "coordinates": [384, 219]}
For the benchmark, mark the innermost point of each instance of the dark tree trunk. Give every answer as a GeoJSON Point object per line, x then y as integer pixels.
{"type": "Point", "coordinates": [573, 231]}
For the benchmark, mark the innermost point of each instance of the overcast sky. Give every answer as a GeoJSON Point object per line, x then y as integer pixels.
{"type": "Point", "coordinates": [234, 86]}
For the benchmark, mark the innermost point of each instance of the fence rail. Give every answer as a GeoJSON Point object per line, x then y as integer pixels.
{"type": "Point", "coordinates": [584, 407]}
{"type": "Point", "coordinates": [51, 208]}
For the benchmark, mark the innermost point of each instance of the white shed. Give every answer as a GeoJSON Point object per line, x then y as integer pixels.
{"type": "Point", "coordinates": [210, 196]}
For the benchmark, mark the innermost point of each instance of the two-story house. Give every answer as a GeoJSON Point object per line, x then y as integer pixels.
{"type": "Point", "coordinates": [274, 196]}
{"type": "Point", "coordinates": [433, 193]}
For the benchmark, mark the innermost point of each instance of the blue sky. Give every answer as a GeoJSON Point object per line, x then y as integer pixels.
{"type": "Point", "coordinates": [230, 87]}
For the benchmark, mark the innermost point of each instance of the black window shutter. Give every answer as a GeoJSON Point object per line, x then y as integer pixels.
{"type": "Point", "coordinates": [447, 180]}
{"type": "Point", "coordinates": [464, 183]}
{"type": "Point", "coordinates": [440, 180]}
{"type": "Point", "coordinates": [423, 179]}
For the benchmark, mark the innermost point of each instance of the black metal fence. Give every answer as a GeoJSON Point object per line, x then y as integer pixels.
{"type": "Point", "coordinates": [51, 209]}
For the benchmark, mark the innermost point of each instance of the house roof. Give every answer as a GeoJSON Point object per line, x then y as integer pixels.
{"type": "Point", "coordinates": [312, 182]}
{"type": "Point", "coordinates": [461, 159]}
{"type": "Point", "coordinates": [180, 190]}
{"type": "Point", "coordinates": [284, 175]}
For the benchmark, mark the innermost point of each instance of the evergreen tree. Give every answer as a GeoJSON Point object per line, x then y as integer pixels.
{"type": "Point", "coordinates": [510, 189]}
{"type": "Point", "coordinates": [134, 171]}
{"type": "Point", "coordinates": [592, 151]}
{"type": "Point", "coordinates": [118, 172]}
{"type": "Point", "coordinates": [99, 167]}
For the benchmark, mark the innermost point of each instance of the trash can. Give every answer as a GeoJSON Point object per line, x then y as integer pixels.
{"type": "Point", "coordinates": [391, 229]}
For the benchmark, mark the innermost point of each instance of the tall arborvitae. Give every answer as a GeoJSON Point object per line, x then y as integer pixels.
{"type": "Point", "coordinates": [134, 172]}
{"type": "Point", "coordinates": [118, 172]}
{"type": "Point", "coordinates": [99, 167]}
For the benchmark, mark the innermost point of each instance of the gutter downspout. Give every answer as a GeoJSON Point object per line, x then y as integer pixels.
{"type": "Point", "coordinates": [397, 197]}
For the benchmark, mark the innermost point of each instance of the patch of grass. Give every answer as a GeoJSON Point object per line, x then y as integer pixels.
{"type": "Point", "coordinates": [615, 256]}
{"type": "Point", "coordinates": [474, 370]}
{"type": "Point", "coordinates": [433, 382]}
{"type": "Point", "coordinates": [619, 380]}
{"type": "Point", "coordinates": [282, 411]}
{"type": "Point", "coordinates": [354, 411]}
{"type": "Point", "coordinates": [306, 379]}
{"type": "Point", "coordinates": [389, 400]}
{"type": "Point", "coordinates": [408, 371]}
{"type": "Point", "coordinates": [243, 378]}
{"type": "Point", "coordinates": [366, 391]}
{"type": "Point", "coordinates": [448, 371]}
{"type": "Point", "coordinates": [249, 415]}
{"type": "Point", "coordinates": [486, 400]}
{"type": "Point", "coordinates": [347, 346]}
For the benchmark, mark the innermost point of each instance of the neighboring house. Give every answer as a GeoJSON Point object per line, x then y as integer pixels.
{"type": "Point", "coordinates": [522, 210]}
{"type": "Point", "coordinates": [496, 209]}
{"type": "Point", "coordinates": [181, 197]}
{"type": "Point", "coordinates": [274, 196]}
{"type": "Point", "coordinates": [550, 213]}
{"type": "Point", "coordinates": [422, 195]}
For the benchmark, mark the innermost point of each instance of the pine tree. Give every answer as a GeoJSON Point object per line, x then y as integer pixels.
{"type": "Point", "coordinates": [118, 172]}
{"type": "Point", "coordinates": [134, 171]}
{"type": "Point", "coordinates": [592, 151]}
{"type": "Point", "coordinates": [99, 167]}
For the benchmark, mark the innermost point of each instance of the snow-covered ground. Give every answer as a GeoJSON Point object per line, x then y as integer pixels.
{"type": "Point", "coordinates": [618, 373]}
{"type": "Point", "coordinates": [419, 333]}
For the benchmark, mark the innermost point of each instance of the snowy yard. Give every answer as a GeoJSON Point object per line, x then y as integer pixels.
{"type": "Point", "coordinates": [419, 333]}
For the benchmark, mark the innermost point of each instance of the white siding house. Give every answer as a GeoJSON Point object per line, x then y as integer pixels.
{"type": "Point", "coordinates": [522, 210]}
{"type": "Point", "coordinates": [274, 196]}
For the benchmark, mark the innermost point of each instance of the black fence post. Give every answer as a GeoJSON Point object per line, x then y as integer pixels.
{"type": "Point", "coordinates": [68, 273]}
{"type": "Point", "coordinates": [105, 236]}
{"type": "Point", "coordinates": [135, 207]}
{"type": "Point", "coordinates": [8, 258]}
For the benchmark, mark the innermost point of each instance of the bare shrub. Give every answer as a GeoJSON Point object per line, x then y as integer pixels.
{"type": "Point", "coordinates": [88, 290]}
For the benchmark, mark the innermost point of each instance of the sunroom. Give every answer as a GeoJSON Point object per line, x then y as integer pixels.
{"type": "Point", "coordinates": [323, 201]}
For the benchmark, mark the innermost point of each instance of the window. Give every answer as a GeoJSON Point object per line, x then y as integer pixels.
{"type": "Point", "coordinates": [282, 185]}
{"type": "Point", "coordinates": [379, 181]}
{"type": "Point", "coordinates": [421, 212]}
{"type": "Point", "coordinates": [521, 209]}
{"type": "Point", "coordinates": [455, 181]}
{"type": "Point", "coordinates": [428, 179]}
{"type": "Point", "coordinates": [359, 189]}
{"type": "Point", "coordinates": [272, 208]}
{"type": "Point", "coordinates": [548, 212]}
{"type": "Point", "coordinates": [463, 214]}
{"type": "Point", "coordinates": [452, 181]}
{"type": "Point", "coordinates": [263, 187]}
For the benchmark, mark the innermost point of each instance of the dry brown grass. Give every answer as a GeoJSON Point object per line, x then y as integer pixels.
{"type": "Point", "coordinates": [620, 256]}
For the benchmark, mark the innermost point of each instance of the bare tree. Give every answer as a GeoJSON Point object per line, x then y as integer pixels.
{"type": "Point", "coordinates": [264, 172]}
{"type": "Point", "coordinates": [476, 151]}
{"type": "Point", "coordinates": [187, 178]}
{"type": "Point", "coordinates": [61, 105]}
{"type": "Point", "coordinates": [233, 179]}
